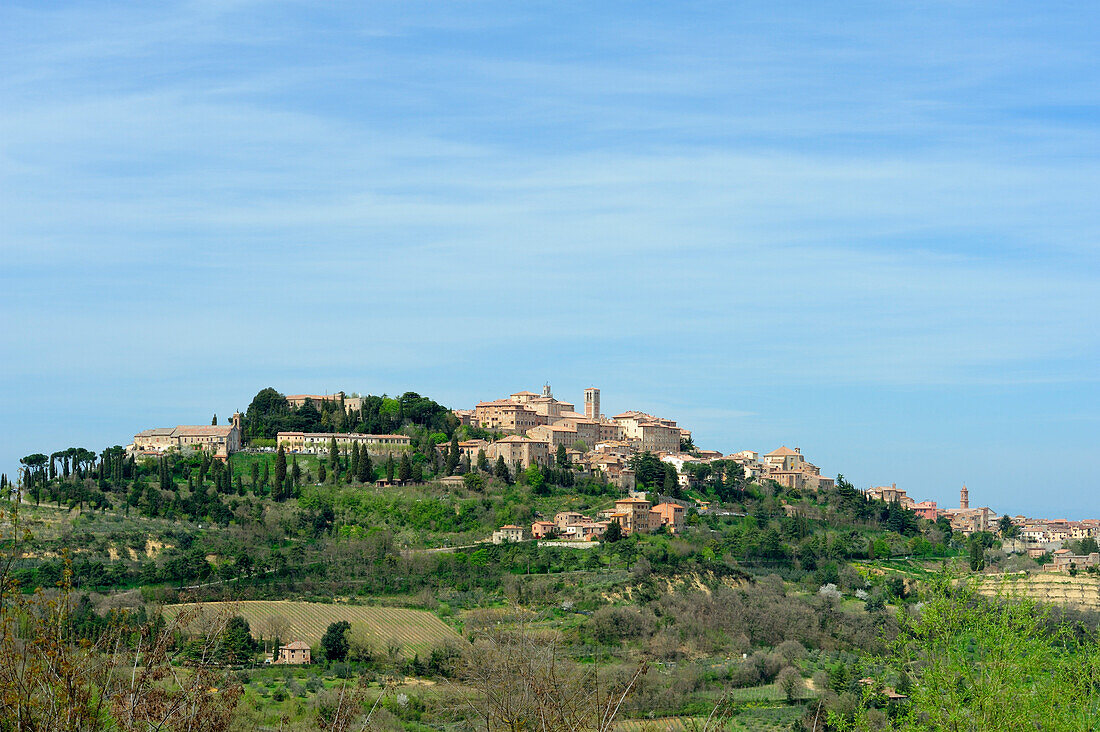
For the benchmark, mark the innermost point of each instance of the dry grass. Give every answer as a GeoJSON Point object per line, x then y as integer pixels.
{"type": "Point", "coordinates": [415, 631]}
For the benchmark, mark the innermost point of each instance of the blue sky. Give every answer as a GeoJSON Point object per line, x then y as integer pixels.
{"type": "Point", "coordinates": [863, 229]}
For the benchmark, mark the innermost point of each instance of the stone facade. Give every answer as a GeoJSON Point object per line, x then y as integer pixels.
{"type": "Point", "coordinates": [220, 440]}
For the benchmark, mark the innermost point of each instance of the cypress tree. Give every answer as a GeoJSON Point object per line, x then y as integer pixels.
{"type": "Point", "coordinates": [452, 455]}
{"type": "Point", "coordinates": [482, 461]}
{"type": "Point", "coordinates": [366, 469]}
{"type": "Point", "coordinates": [280, 466]}
{"type": "Point", "coordinates": [322, 474]}
{"type": "Point", "coordinates": [404, 469]}
{"type": "Point", "coordinates": [333, 455]}
{"type": "Point", "coordinates": [295, 472]}
{"type": "Point", "coordinates": [267, 475]}
{"type": "Point", "coordinates": [389, 468]}
{"type": "Point", "coordinates": [501, 470]}
{"type": "Point", "coordinates": [255, 474]}
{"type": "Point", "coordinates": [354, 460]}
{"type": "Point", "coordinates": [417, 472]}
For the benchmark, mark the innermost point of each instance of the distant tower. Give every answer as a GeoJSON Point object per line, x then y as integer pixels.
{"type": "Point", "coordinates": [964, 497]}
{"type": "Point", "coordinates": [546, 393]}
{"type": "Point", "coordinates": [592, 403]}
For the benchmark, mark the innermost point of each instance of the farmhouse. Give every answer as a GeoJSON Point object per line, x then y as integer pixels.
{"type": "Point", "coordinates": [508, 533]}
{"type": "Point", "coordinates": [294, 652]}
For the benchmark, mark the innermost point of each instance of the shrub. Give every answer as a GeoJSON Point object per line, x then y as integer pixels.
{"type": "Point", "coordinates": [615, 624]}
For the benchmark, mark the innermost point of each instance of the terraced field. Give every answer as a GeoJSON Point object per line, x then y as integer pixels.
{"type": "Point", "coordinates": [1082, 591]}
{"type": "Point", "coordinates": [414, 631]}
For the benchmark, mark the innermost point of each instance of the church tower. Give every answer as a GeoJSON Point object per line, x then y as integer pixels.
{"type": "Point", "coordinates": [964, 497]}
{"type": "Point", "coordinates": [592, 403]}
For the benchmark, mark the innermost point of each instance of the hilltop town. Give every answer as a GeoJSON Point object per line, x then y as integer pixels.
{"type": "Point", "coordinates": [528, 429]}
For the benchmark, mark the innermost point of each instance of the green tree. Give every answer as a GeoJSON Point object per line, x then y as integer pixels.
{"type": "Point", "coordinates": [404, 468]}
{"type": "Point", "coordinates": [482, 461]}
{"type": "Point", "coordinates": [977, 555]}
{"type": "Point", "coordinates": [333, 454]}
{"type": "Point", "coordinates": [334, 643]}
{"type": "Point", "coordinates": [452, 455]}
{"type": "Point", "coordinates": [280, 466]}
{"type": "Point", "coordinates": [672, 482]}
{"type": "Point", "coordinates": [536, 480]}
{"type": "Point", "coordinates": [561, 457]}
{"type": "Point", "coordinates": [979, 664]}
{"type": "Point", "coordinates": [500, 470]}
{"type": "Point", "coordinates": [366, 469]}
{"type": "Point", "coordinates": [613, 533]}
{"type": "Point", "coordinates": [390, 467]}
{"type": "Point", "coordinates": [214, 421]}
{"type": "Point", "coordinates": [237, 644]}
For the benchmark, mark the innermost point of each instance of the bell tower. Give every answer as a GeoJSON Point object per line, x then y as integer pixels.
{"type": "Point", "coordinates": [592, 403]}
{"type": "Point", "coordinates": [964, 497]}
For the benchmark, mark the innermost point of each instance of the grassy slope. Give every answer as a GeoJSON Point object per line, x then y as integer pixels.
{"type": "Point", "coordinates": [415, 631]}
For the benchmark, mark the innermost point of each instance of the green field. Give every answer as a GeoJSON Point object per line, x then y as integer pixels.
{"type": "Point", "coordinates": [415, 631]}
{"type": "Point", "coordinates": [751, 718]}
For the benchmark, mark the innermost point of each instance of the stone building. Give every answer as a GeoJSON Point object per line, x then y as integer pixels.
{"type": "Point", "coordinates": [296, 652]}
{"type": "Point", "coordinates": [508, 533]}
{"type": "Point", "coordinates": [520, 451]}
{"type": "Point", "coordinates": [219, 440]}
{"type": "Point", "coordinates": [504, 415]}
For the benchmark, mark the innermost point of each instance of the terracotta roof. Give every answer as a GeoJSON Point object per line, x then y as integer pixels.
{"type": "Point", "coordinates": [782, 452]}
{"type": "Point", "coordinates": [206, 430]}
{"type": "Point", "coordinates": [295, 646]}
{"type": "Point", "coordinates": [525, 393]}
{"type": "Point", "coordinates": [156, 432]}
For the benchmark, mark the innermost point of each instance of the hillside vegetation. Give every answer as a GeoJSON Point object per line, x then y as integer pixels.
{"type": "Point", "coordinates": [775, 607]}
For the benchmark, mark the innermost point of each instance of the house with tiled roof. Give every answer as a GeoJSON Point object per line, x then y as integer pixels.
{"type": "Point", "coordinates": [295, 652]}
{"type": "Point", "coordinates": [508, 533]}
